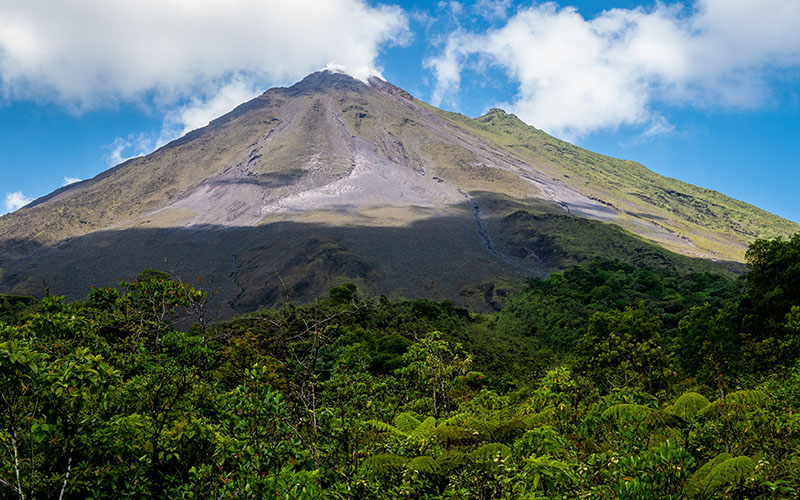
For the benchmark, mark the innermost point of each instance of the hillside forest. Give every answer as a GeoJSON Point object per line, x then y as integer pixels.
{"type": "Point", "coordinates": [608, 380]}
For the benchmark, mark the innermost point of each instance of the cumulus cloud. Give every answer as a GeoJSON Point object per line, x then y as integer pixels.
{"type": "Point", "coordinates": [578, 75]}
{"type": "Point", "coordinates": [126, 148]}
{"type": "Point", "coordinates": [199, 111]}
{"type": "Point", "coordinates": [16, 200]}
{"type": "Point", "coordinates": [88, 53]}
{"type": "Point", "coordinates": [194, 113]}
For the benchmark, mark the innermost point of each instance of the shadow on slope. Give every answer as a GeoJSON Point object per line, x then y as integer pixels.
{"type": "Point", "coordinates": [251, 267]}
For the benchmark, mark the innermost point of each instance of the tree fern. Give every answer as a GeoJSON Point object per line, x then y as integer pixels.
{"type": "Point", "coordinates": [722, 470]}
{"type": "Point", "coordinates": [749, 397]}
{"type": "Point", "coordinates": [423, 430]}
{"type": "Point", "coordinates": [688, 405]}
{"type": "Point", "coordinates": [455, 434]}
{"type": "Point", "coordinates": [546, 416]}
{"type": "Point", "coordinates": [659, 419]}
{"type": "Point", "coordinates": [694, 485]}
{"type": "Point", "coordinates": [453, 460]}
{"type": "Point", "coordinates": [406, 422]}
{"type": "Point", "coordinates": [540, 441]}
{"type": "Point", "coordinates": [511, 428]}
{"type": "Point", "coordinates": [424, 464]}
{"type": "Point", "coordinates": [731, 471]}
{"type": "Point", "coordinates": [626, 411]}
{"type": "Point", "coordinates": [384, 427]}
{"type": "Point", "coordinates": [486, 428]}
{"type": "Point", "coordinates": [490, 452]}
{"type": "Point", "coordinates": [385, 461]}
{"type": "Point", "coordinates": [738, 399]}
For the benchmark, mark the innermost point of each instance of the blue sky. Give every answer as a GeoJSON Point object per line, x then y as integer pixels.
{"type": "Point", "coordinates": [705, 91]}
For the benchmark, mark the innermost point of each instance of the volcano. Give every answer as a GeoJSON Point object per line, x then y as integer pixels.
{"type": "Point", "coordinates": [334, 179]}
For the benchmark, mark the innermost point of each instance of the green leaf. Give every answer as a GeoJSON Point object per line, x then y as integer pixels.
{"type": "Point", "coordinates": [731, 471]}
{"type": "Point", "coordinates": [490, 452]}
{"type": "Point", "coordinates": [424, 430]}
{"type": "Point", "coordinates": [384, 427]}
{"type": "Point", "coordinates": [695, 483]}
{"type": "Point", "coordinates": [452, 433]}
{"type": "Point", "coordinates": [406, 422]}
{"type": "Point", "coordinates": [384, 461]}
{"type": "Point", "coordinates": [423, 464]}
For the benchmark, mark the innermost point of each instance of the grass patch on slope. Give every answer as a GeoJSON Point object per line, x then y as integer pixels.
{"type": "Point", "coordinates": [559, 242]}
{"type": "Point", "coordinates": [712, 220]}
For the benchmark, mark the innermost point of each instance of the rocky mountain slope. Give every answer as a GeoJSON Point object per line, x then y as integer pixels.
{"type": "Point", "coordinates": [333, 179]}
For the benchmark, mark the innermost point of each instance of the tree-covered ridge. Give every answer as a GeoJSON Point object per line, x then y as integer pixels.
{"type": "Point", "coordinates": [606, 381]}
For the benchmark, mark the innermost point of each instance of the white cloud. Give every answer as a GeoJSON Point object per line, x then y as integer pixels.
{"type": "Point", "coordinates": [16, 200]}
{"type": "Point", "coordinates": [198, 112]}
{"type": "Point", "coordinates": [578, 75]}
{"type": "Point", "coordinates": [89, 53]}
{"type": "Point", "coordinates": [126, 148]}
{"type": "Point", "coordinates": [492, 10]}
{"type": "Point", "coordinates": [195, 113]}
{"type": "Point", "coordinates": [70, 180]}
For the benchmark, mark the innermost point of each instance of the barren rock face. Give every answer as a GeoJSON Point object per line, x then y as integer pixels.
{"type": "Point", "coordinates": [335, 179]}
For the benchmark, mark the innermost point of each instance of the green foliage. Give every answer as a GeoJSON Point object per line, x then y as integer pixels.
{"type": "Point", "coordinates": [347, 399]}
{"type": "Point", "coordinates": [626, 411]}
{"type": "Point", "coordinates": [625, 348]}
{"type": "Point", "coordinates": [490, 453]}
{"type": "Point", "coordinates": [688, 405]}
{"type": "Point", "coordinates": [406, 422]}
{"type": "Point", "coordinates": [735, 402]}
{"type": "Point", "coordinates": [12, 306]}
{"type": "Point", "coordinates": [629, 186]}
{"type": "Point", "coordinates": [718, 473]}
{"type": "Point", "coordinates": [344, 293]}
{"type": "Point", "coordinates": [555, 311]}
{"type": "Point", "coordinates": [775, 271]}
{"type": "Point", "coordinates": [437, 368]}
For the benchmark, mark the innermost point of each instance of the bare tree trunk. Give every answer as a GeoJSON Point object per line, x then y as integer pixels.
{"type": "Point", "coordinates": [16, 464]}
{"type": "Point", "coordinates": [66, 476]}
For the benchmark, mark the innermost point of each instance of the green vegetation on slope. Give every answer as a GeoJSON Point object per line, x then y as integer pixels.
{"type": "Point", "coordinates": [716, 223]}
{"type": "Point", "coordinates": [558, 241]}
{"type": "Point", "coordinates": [607, 381]}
